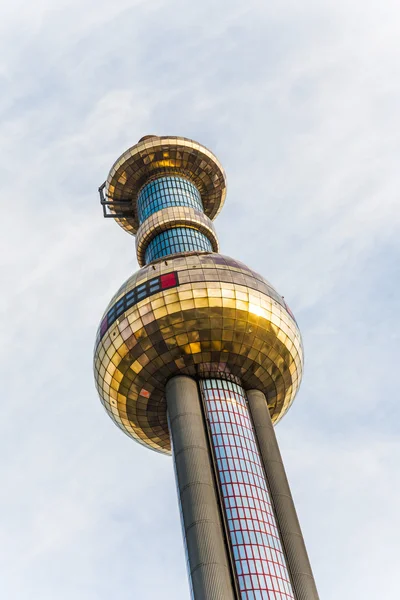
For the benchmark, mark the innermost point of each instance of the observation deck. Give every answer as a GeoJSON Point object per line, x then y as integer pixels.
{"type": "Point", "coordinates": [152, 157]}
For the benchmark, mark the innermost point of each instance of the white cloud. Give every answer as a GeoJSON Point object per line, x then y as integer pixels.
{"type": "Point", "coordinates": [299, 101]}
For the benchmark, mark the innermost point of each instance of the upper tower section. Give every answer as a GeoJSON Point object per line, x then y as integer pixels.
{"type": "Point", "coordinates": [166, 191]}
{"type": "Point", "coordinates": [188, 310]}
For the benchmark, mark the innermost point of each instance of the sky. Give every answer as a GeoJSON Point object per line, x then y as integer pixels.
{"type": "Point", "coordinates": [300, 102]}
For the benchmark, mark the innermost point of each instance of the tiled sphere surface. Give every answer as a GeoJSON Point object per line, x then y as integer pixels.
{"type": "Point", "coordinates": [155, 156]}
{"type": "Point", "coordinates": [217, 318]}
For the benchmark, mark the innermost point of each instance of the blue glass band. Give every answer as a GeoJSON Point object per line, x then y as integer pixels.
{"type": "Point", "coordinates": [177, 239]}
{"type": "Point", "coordinates": [165, 192]}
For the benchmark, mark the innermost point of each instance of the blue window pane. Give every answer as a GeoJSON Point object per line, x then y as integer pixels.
{"type": "Point", "coordinates": [167, 191]}
{"type": "Point", "coordinates": [178, 239]}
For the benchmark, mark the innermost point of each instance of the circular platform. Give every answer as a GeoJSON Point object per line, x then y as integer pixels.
{"type": "Point", "coordinates": [153, 156]}
{"type": "Point", "coordinates": [203, 315]}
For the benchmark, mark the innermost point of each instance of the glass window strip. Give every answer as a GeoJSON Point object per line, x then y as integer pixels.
{"type": "Point", "coordinates": [259, 559]}
{"type": "Point", "coordinates": [165, 192]}
{"type": "Point", "coordinates": [176, 240]}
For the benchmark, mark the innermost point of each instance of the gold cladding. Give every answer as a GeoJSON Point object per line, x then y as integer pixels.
{"type": "Point", "coordinates": [166, 155]}
{"type": "Point", "coordinates": [223, 319]}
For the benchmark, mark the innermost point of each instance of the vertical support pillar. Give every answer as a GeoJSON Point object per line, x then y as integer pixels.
{"type": "Point", "coordinates": [209, 566]}
{"type": "Point", "coordinates": [292, 538]}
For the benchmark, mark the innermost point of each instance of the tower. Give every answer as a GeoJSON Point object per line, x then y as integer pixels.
{"type": "Point", "coordinates": [197, 355]}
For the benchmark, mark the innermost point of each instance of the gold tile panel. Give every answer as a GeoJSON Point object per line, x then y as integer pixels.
{"type": "Point", "coordinates": [166, 155]}
{"type": "Point", "coordinates": [223, 319]}
{"type": "Point", "coordinates": [167, 218]}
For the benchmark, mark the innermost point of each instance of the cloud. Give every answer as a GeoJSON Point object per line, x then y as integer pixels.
{"type": "Point", "coordinates": [299, 101]}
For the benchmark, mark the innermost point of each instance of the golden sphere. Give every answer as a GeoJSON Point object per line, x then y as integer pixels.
{"type": "Point", "coordinates": [203, 315]}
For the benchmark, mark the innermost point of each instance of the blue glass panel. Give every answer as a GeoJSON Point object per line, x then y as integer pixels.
{"type": "Point", "coordinates": [167, 191]}
{"type": "Point", "coordinates": [178, 239]}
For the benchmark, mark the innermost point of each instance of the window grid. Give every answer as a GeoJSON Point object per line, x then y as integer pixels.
{"type": "Point", "coordinates": [165, 192]}
{"type": "Point", "coordinates": [259, 560]}
{"type": "Point", "coordinates": [135, 295]}
{"type": "Point", "coordinates": [175, 240]}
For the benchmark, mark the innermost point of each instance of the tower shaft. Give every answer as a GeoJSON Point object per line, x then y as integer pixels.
{"type": "Point", "coordinates": [242, 536]}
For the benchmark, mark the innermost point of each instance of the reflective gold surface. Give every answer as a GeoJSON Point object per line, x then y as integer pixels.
{"type": "Point", "coordinates": [174, 216]}
{"type": "Point", "coordinates": [155, 156]}
{"type": "Point", "coordinates": [222, 319]}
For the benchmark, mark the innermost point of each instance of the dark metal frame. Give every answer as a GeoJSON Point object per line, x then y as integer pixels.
{"type": "Point", "coordinates": [115, 205]}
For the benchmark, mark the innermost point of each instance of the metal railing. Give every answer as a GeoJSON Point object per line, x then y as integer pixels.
{"type": "Point", "coordinates": [115, 209]}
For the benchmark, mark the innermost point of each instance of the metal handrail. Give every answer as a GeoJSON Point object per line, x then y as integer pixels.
{"type": "Point", "coordinates": [118, 204]}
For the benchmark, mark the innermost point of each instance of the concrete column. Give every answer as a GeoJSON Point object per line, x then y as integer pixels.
{"type": "Point", "coordinates": [288, 523]}
{"type": "Point", "coordinates": [209, 566]}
